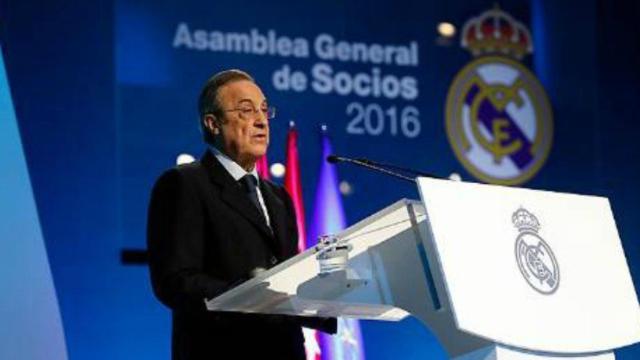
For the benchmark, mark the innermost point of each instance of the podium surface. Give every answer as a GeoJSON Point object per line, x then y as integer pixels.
{"type": "Point", "coordinates": [296, 287]}
{"type": "Point", "coordinates": [493, 242]}
{"type": "Point", "coordinates": [494, 272]}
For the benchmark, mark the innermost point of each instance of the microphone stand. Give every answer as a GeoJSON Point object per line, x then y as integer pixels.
{"type": "Point", "coordinates": [383, 168]}
{"type": "Point", "coordinates": [400, 168]}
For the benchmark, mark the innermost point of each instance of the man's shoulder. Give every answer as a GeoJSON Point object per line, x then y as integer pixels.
{"type": "Point", "coordinates": [184, 173]}
{"type": "Point", "coordinates": [195, 168]}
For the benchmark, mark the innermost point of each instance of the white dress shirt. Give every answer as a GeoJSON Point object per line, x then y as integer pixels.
{"type": "Point", "coordinates": [237, 172]}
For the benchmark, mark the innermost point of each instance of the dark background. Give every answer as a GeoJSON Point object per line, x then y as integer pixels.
{"type": "Point", "coordinates": [104, 104]}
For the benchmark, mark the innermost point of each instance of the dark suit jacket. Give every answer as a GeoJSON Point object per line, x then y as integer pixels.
{"type": "Point", "coordinates": [204, 235]}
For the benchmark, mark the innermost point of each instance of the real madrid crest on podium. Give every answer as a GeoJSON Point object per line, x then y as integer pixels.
{"type": "Point", "coordinates": [536, 261]}
{"type": "Point", "coordinates": [498, 118]}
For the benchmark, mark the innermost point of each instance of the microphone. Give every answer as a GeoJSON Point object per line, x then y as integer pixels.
{"type": "Point", "coordinates": [400, 168]}
{"type": "Point", "coordinates": [334, 159]}
{"type": "Point", "coordinates": [383, 168]}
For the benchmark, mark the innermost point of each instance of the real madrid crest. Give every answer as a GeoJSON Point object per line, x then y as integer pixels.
{"type": "Point", "coordinates": [536, 261]}
{"type": "Point", "coordinates": [498, 118]}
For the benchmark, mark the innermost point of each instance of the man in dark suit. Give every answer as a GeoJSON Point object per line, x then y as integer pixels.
{"type": "Point", "coordinates": [213, 223]}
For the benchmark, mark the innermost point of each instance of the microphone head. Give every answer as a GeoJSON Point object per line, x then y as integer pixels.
{"type": "Point", "coordinates": [333, 159]}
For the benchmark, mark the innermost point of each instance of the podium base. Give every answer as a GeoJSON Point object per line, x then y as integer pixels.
{"type": "Point", "coordinates": [498, 352]}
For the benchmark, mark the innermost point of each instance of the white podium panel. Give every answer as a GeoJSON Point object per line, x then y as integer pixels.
{"type": "Point", "coordinates": [496, 273]}
{"type": "Point", "coordinates": [389, 276]}
{"type": "Point", "coordinates": [498, 352]}
{"type": "Point", "coordinates": [363, 291]}
{"type": "Point", "coordinates": [531, 269]}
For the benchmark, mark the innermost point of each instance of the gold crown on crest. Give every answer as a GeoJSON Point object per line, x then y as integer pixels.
{"type": "Point", "coordinates": [496, 32]}
{"type": "Point", "coordinates": [525, 220]}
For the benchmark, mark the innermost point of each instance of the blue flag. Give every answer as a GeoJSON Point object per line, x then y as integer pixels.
{"type": "Point", "coordinates": [329, 218]}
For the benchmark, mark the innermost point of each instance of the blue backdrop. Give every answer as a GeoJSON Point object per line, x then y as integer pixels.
{"type": "Point", "coordinates": [105, 98]}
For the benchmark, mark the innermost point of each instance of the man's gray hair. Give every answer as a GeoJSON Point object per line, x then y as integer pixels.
{"type": "Point", "coordinates": [208, 103]}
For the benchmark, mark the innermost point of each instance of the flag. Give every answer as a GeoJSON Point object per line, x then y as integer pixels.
{"type": "Point", "coordinates": [293, 184]}
{"type": "Point", "coordinates": [294, 187]}
{"type": "Point", "coordinates": [262, 166]}
{"type": "Point", "coordinates": [329, 218]}
{"type": "Point", "coordinates": [328, 214]}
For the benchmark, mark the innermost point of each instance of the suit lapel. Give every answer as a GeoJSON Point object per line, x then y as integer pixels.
{"type": "Point", "coordinates": [232, 194]}
{"type": "Point", "coordinates": [277, 215]}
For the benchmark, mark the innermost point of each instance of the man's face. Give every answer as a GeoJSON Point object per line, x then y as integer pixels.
{"type": "Point", "coordinates": [244, 134]}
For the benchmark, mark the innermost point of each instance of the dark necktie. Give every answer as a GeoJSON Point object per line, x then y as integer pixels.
{"type": "Point", "coordinates": [249, 185]}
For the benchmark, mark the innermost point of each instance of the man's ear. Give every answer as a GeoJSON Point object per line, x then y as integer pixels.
{"type": "Point", "coordinates": [211, 123]}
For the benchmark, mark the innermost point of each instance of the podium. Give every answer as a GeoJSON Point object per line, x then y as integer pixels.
{"type": "Point", "coordinates": [494, 272]}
